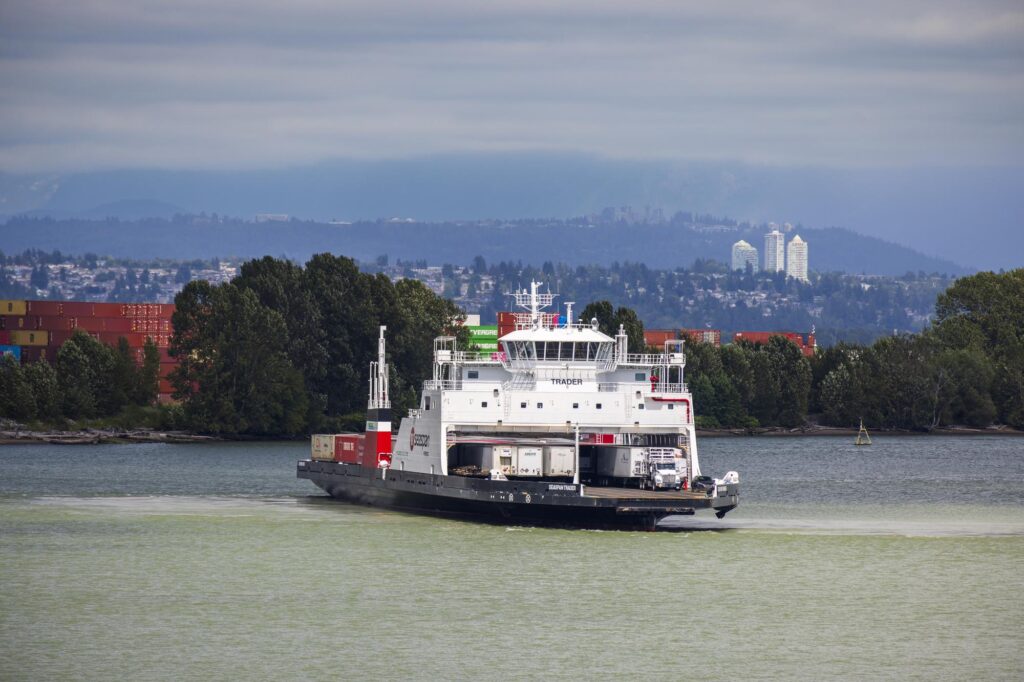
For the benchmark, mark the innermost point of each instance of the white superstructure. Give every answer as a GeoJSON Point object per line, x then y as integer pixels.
{"type": "Point", "coordinates": [549, 394]}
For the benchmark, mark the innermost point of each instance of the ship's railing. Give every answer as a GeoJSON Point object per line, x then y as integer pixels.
{"type": "Point", "coordinates": [465, 357]}
{"type": "Point", "coordinates": [460, 384]}
{"type": "Point", "coordinates": [652, 359]}
{"type": "Point", "coordinates": [642, 386]}
{"type": "Point", "coordinates": [442, 385]}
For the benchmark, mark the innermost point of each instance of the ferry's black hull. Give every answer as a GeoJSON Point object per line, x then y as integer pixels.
{"type": "Point", "coordinates": [533, 503]}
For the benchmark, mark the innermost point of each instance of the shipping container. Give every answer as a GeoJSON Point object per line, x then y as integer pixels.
{"type": "Point", "coordinates": [503, 458]}
{"type": "Point", "coordinates": [166, 368]}
{"type": "Point", "coordinates": [150, 326]}
{"type": "Point", "coordinates": [11, 307]}
{"type": "Point", "coordinates": [807, 347]}
{"type": "Point", "coordinates": [148, 310]}
{"type": "Point", "coordinates": [165, 386]}
{"type": "Point", "coordinates": [712, 336]}
{"type": "Point", "coordinates": [529, 461]}
{"type": "Point", "coordinates": [52, 324]}
{"type": "Point", "coordinates": [77, 309]}
{"type": "Point", "coordinates": [29, 338]}
{"type": "Point", "coordinates": [559, 460]}
{"type": "Point", "coordinates": [36, 353]}
{"type": "Point", "coordinates": [322, 447]}
{"type": "Point", "coordinates": [10, 350]}
{"type": "Point", "coordinates": [658, 337]}
{"type": "Point", "coordinates": [620, 462]}
{"type": "Point", "coordinates": [11, 323]}
{"type": "Point", "coordinates": [45, 308]}
{"type": "Point", "coordinates": [4, 337]}
{"type": "Point", "coordinates": [489, 331]}
{"type": "Point", "coordinates": [134, 340]}
{"type": "Point", "coordinates": [108, 309]}
{"type": "Point", "coordinates": [117, 324]}
{"type": "Point", "coordinates": [509, 322]}
{"type": "Point", "coordinates": [348, 447]}
{"type": "Point", "coordinates": [58, 339]}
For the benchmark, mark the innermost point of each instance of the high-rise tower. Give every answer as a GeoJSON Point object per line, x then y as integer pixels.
{"type": "Point", "coordinates": [742, 255]}
{"type": "Point", "coordinates": [774, 251]}
{"type": "Point", "coordinates": [796, 259]}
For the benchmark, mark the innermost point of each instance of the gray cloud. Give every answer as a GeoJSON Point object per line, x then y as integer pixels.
{"type": "Point", "coordinates": [180, 84]}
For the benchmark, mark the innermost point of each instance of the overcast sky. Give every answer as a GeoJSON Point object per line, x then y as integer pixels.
{"type": "Point", "coordinates": [91, 84]}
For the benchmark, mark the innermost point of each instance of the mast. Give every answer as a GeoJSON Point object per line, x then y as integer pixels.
{"type": "Point", "coordinates": [379, 378]}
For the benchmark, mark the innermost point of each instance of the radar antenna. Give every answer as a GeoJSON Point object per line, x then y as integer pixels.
{"type": "Point", "coordinates": [533, 301]}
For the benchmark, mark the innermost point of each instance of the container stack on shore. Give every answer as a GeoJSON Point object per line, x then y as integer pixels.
{"type": "Point", "coordinates": [35, 330]}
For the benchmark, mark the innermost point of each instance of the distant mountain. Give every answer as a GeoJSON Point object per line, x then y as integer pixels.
{"type": "Point", "coordinates": [666, 245]}
{"type": "Point", "coordinates": [973, 216]}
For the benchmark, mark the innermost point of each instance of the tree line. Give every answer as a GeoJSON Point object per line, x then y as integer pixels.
{"type": "Point", "coordinates": [966, 368]}
{"type": "Point", "coordinates": [87, 380]}
{"type": "Point", "coordinates": [284, 349]}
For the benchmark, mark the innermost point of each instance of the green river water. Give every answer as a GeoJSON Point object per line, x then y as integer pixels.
{"type": "Point", "coordinates": [193, 562]}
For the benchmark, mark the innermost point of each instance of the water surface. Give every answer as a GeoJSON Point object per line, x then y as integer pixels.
{"type": "Point", "coordinates": [212, 561]}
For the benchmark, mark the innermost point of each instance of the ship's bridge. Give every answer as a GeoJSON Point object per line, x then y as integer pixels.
{"type": "Point", "coordinates": [577, 346]}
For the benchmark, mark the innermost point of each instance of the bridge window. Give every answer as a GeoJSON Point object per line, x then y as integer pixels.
{"type": "Point", "coordinates": [473, 374]}
{"type": "Point", "coordinates": [575, 406]}
{"type": "Point", "coordinates": [522, 405]}
{"type": "Point", "coordinates": [640, 376]}
{"type": "Point", "coordinates": [540, 406]}
{"type": "Point", "coordinates": [598, 406]}
{"type": "Point", "coordinates": [483, 403]}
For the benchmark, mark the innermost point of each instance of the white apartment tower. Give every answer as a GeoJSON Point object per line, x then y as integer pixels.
{"type": "Point", "coordinates": [796, 259]}
{"type": "Point", "coordinates": [774, 251]}
{"type": "Point", "coordinates": [742, 254]}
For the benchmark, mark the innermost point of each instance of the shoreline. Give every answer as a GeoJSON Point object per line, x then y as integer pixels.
{"type": "Point", "coordinates": [125, 436]}
{"type": "Point", "coordinates": [817, 431]}
{"type": "Point", "coordinates": [101, 437]}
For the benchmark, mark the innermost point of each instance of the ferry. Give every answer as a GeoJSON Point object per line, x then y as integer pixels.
{"type": "Point", "coordinates": [561, 426]}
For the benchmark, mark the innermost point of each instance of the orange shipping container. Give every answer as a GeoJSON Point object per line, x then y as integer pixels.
{"type": "Point", "coordinates": [29, 338]}
{"type": "Point", "coordinates": [9, 307]}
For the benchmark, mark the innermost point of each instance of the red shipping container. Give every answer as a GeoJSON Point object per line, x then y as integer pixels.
{"type": "Point", "coordinates": [108, 309]}
{"type": "Point", "coordinates": [148, 310]}
{"type": "Point", "coordinates": [658, 337]}
{"type": "Point", "coordinates": [54, 323]}
{"type": "Point", "coordinates": [166, 368]}
{"type": "Point", "coordinates": [57, 339]}
{"type": "Point", "coordinates": [13, 323]}
{"type": "Point", "coordinates": [77, 309]}
{"type": "Point", "coordinates": [165, 386]}
{"type": "Point", "coordinates": [134, 340]}
{"type": "Point", "coordinates": [151, 325]}
{"type": "Point", "coordinates": [116, 324]}
{"type": "Point", "coordinates": [48, 308]}
{"type": "Point", "coordinates": [348, 448]}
